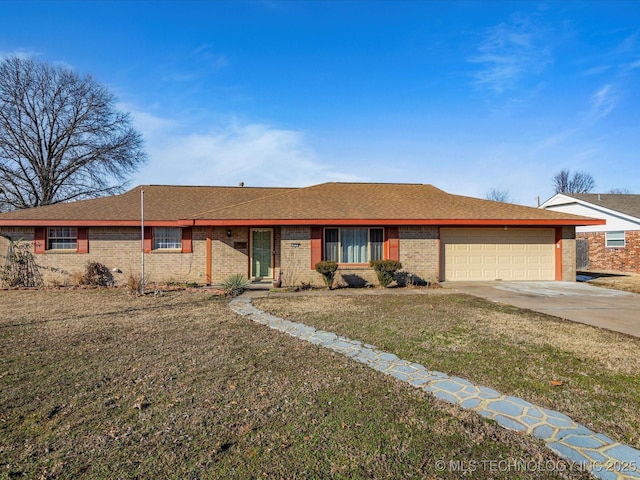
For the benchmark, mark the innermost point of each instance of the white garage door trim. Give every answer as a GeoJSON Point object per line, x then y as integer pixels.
{"type": "Point", "coordinates": [478, 254]}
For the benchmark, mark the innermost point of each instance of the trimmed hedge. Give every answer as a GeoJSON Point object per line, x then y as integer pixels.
{"type": "Point", "coordinates": [385, 269]}
{"type": "Point", "coordinates": [328, 272]}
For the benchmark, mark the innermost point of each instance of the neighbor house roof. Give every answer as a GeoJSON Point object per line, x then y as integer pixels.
{"type": "Point", "coordinates": [327, 203]}
{"type": "Point", "coordinates": [628, 204]}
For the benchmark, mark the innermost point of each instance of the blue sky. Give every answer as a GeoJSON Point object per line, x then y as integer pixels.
{"type": "Point", "coordinates": [466, 96]}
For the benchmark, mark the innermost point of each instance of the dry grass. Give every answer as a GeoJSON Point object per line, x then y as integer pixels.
{"type": "Point", "coordinates": [628, 282]}
{"type": "Point", "coordinates": [99, 384]}
{"type": "Point", "coordinates": [514, 351]}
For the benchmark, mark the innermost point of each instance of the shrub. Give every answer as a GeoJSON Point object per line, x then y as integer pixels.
{"type": "Point", "coordinates": [134, 284]}
{"type": "Point", "coordinates": [328, 272]}
{"type": "Point", "coordinates": [385, 270]}
{"type": "Point", "coordinates": [77, 278]}
{"type": "Point", "coordinates": [235, 284]}
{"type": "Point", "coordinates": [97, 275]}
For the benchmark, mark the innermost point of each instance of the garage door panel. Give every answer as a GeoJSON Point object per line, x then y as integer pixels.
{"type": "Point", "coordinates": [492, 254]}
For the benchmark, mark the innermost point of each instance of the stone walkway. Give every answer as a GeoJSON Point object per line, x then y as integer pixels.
{"type": "Point", "coordinates": [605, 458]}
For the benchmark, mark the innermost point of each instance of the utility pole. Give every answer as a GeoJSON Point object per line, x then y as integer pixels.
{"type": "Point", "coordinates": [142, 238]}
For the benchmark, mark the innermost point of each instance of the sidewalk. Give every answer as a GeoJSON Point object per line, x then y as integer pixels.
{"type": "Point", "coordinates": [605, 458]}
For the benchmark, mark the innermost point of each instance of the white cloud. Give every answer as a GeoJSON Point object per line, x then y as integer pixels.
{"type": "Point", "coordinates": [598, 70]}
{"type": "Point", "coordinates": [205, 52]}
{"type": "Point", "coordinates": [256, 154]}
{"type": "Point", "coordinates": [556, 139]}
{"type": "Point", "coordinates": [630, 44]}
{"type": "Point", "coordinates": [627, 68]}
{"type": "Point", "coordinates": [602, 102]}
{"type": "Point", "coordinates": [509, 52]}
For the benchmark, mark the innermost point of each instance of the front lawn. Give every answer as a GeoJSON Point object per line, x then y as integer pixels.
{"type": "Point", "coordinates": [98, 384]}
{"type": "Point", "coordinates": [514, 351]}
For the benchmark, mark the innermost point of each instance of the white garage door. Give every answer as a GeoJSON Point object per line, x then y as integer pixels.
{"type": "Point", "coordinates": [498, 254]}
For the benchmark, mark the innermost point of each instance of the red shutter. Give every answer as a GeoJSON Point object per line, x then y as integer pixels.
{"type": "Point", "coordinates": [316, 246]}
{"type": "Point", "coordinates": [393, 244]}
{"type": "Point", "coordinates": [40, 240]}
{"type": "Point", "coordinates": [148, 240]}
{"type": "Point", "coordinates": [82, 241]}
{"type": "Point", "coordinates": [187, 243]}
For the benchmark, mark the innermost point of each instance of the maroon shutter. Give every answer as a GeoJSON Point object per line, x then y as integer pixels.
{"type": "Point", "coordinates": [148, 240]}
{"type": "Point", "coordinates": [187, 242]}
{"type": "Point", "coordinates": [316, 246]}
{"type": "Point", "coordinates": [40, 240]}
{"type": "Point", "coordinates": [393, 244]}
{"type": "Point", "coordinates": [82, 241]}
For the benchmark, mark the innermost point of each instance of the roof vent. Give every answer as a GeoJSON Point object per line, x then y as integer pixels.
{"type": "Point", "coordinates": [599, 198]}
{"type": "Point", "coordinates": [241, 184]}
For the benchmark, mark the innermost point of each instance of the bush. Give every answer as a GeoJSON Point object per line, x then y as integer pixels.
{"type": "Point", "coordinates": [134, 284]}
{"type": "Point", "coordinates": [235, 284]}
{"type": "Point", "coordinates": [385, 270]}
{"type": "Point", "coordinates": [97, 275]}
{"type": "Point", "coordinates": [328, 272]}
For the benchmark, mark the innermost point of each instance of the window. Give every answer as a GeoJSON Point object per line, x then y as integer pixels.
{"type": "Point", "coordinates": [614, 239]}
{"type": "Point", "coordinates": [167, 237]}
{"type": "Point", "coordinates": [62, 238]}
{"type": "Point", "coordinates": [353, 245]}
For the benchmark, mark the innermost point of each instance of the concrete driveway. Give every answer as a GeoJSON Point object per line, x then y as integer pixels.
{"type": "Point", "coordinates": [579, 302]}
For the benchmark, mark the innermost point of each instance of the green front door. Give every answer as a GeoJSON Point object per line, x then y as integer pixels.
{"type": "Point", "coordinates": [261, 254]}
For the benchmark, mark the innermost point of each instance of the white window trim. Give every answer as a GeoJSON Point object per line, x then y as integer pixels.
{"type": "Point", "coordinates": [167, 240]}
{"type": "Point", "coordinates": [340, 260]}
{"type": "Point", "coordinates": [607, 239]}
{"type": "Point", "coordinates": [72, 234]}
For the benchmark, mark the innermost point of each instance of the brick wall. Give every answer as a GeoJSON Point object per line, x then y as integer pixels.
{"type": "Point", "coordinates": [420, 251]}
{"type": "Point", "coordinates": [295, 262]}
{"type": "Point", "coordinates": [229, 255]}
{"type": "Point", "coordinates": [294, 259]}
{"type": "Point", "coordinates": [418, 254]}
{"type": "Point", "coordinates": [623, 259]}
{"type": "Point", "coordinates": [118, 248]}
{"type": "Point", "coordinates": [568, 254]}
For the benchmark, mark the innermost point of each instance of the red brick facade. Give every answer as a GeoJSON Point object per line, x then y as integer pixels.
{"type": "Point", "coordinates": [619, 259]}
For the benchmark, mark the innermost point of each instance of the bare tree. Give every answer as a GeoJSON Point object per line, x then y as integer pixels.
{"type": "Point", "coordinates": [61, 137]}
{"type": "Point", "coordinates": [579, 182]}
{"type": "Point", "coordinates": [619, 191]}
{"type": "Point", "coordinates": [499, 195]}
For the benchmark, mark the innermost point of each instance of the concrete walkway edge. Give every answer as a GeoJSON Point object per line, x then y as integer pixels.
{"type": "Point", "coordinates": [595, 452]}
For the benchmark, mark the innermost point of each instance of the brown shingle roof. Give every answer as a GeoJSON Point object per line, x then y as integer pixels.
{"type": "Point", "coordinates": [378, 201]}
{"type": "Point", "coordinates": [338, 203]}
{"type": "Point", "coordinates": [624, 203]}
{"type": "Point", "coordinates": [161, 203]}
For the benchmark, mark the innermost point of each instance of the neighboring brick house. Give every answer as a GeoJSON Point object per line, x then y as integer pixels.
{"type": "Point", "coordinates": [614, 246]}
{"type": "Point", "coordinates": [204, 234]}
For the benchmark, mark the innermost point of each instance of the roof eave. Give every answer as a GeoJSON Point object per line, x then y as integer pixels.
{"type": "Point", "coordinates": [438, 221]}
{"type": "Point", "coordinates": [88, 223]}
{"type": "Point", "coordinates": [304, 221]}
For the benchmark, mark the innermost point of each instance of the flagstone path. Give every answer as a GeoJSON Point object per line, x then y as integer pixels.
{"type": "Point", "coordinates": [605, 458]}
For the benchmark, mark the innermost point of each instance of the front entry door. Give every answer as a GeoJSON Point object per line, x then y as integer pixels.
{"type": "Point", "coordinates": [261, 248]}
